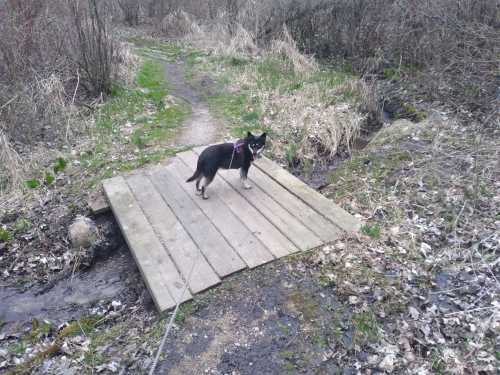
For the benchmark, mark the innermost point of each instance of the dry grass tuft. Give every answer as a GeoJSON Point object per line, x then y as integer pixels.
{"type": "Point", "coordinates": [309, 129]}
{"type": "Point", "coordinates": [11, 167]}
{"type": "Point", "coordinates": [285, 47]}
{"type": "Point", "coordinates": [217, 39]}
{"type": "Point", "coordinates": [179, 24]}
{"type": "Point", "coordinates": [241, 44]}
{"type": "Point", "coordinates": [127, 63]}
{"type": "Point", "coordinates": [365, 94]}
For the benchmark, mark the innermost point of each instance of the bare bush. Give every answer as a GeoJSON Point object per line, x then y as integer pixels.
{"type": "Point", "coordinates": [93, 46]}
{"type": "Point", "coordinates": [56, 51]}
{"type": "Point", "coordinates": [131, 10]}
{"type": "Point", "coordinates": [449, 47]}
{"type": "Point", "coordinates": [452, 44]}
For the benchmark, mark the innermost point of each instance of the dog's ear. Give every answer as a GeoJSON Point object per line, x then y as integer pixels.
{"type": "Point", "coordinates": [263, 136]}
{"type": "Point", "coordinates": [249, 135]}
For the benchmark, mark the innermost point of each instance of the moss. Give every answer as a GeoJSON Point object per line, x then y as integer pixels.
{"type": "Point", "coordinates": [411, 112]}
{"type": "Point", "coordinates": [39, 330]}
{"type": "Point", "coordinates": [87, 324]}
{"type": "Point", "coordinates": [284, 329]}
{"type": "Point", "coordinates": [305, 305]}
{"type": "Point", "coordinates": [22, 225]}
{"type": "Point", "coordinates": [287, 354]}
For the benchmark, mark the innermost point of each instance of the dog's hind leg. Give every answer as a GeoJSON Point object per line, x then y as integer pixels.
{"type": "Point", "coordinates": [198, 189]}
{"type": "Point", "coordinates": [206, 181]}
{"type": "Point", "coordinates": [244, 178]}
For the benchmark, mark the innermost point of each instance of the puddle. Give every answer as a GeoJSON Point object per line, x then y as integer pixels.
{"type": "Point", "coordinates": [70, 298]}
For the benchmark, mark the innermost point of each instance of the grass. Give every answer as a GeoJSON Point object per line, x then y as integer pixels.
{"type": "Point", "coordinates": [184, 311]}
{"type": "Point", "coordinates": [60, 165]}
{"type": "Point", "coordinates": [32, 183]}
{"type": "Point", "coordinates": [366, 327]}
{"type": "Point", "coordinates": [372, 231]}
{"type": "Point", "coordinates": [132, 128]}
{"type": "Point", "coordinates": [87, 324]}
{"type": "Point", "coordinates": [49, 178]}
{"type": "Point", "coordinates": [240, 110]}
{"type": "Point", "coordinates": [5, 235]}
{"type": "Point", "coordinates": [305, 305]}
{"type": "Point", "coordinates": [22, 225]}
{"type": "Point", "coordinates": [39, 330]}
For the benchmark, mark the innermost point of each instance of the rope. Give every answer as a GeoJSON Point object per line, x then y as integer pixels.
{"type": "Point", "coordinates": [172, 318]}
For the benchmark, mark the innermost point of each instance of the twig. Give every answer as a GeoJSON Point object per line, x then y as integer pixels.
{"type": "Point", "coordinates": [458, 216]}
{"type": "Point", "coordinates": [9, 101]}
{"type": "Point", "coordinates": [471, 310]}
{"type": "Point", "coordinates": [73, 101]}
{"type": "Point", "coordinates": [76, 88]}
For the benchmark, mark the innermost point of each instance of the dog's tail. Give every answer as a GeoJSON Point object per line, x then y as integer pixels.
{"type": "Point", "coordinates": [195, 176]}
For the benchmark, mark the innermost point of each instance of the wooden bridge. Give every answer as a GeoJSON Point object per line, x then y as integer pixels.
{"type": "Point", "coordinates": [177, 237]}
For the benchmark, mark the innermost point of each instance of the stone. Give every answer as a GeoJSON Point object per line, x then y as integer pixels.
{"type": "Point", "coordinates": [387, 364]}
{"type": "Point", "coordinates": [83, 232]}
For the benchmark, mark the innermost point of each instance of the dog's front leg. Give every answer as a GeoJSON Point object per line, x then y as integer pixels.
{"type": "Point", "coordinates": [244, 178]}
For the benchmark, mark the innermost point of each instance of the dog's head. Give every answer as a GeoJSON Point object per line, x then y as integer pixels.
{"type": "Point", "coordinates": [255, 144]}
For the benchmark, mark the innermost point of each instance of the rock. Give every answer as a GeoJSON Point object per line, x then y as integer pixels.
{"type": "Point", "coordinates": [83, 232]}
{"type": "Point", "coordinates": [98, 202]}
{"type": "Point", "coordinates": [414, 313]}
{"type": "Point", "coordinates": [387, 364]}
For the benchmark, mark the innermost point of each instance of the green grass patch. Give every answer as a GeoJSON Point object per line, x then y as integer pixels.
{"type": "Point", "coordinates": [39, 330]}
{"type": "Point", "coordinates": [5, 235]}
{"type": "Point", "coordinates": [59, 165]}
{"type": "Point", "coordinates": [151, 79]}
{"type": "Point", "coordinates": [366, 327]}
{"type": "Point", "coordinates": [32, 183]}
{"type": "Point", "coordinates": [185, 310]}
{"type": "Point", "coordinates": [49, 178]}
{"type": "Point", "coordinates": [240, 110]}
{"type": "Point", "coordinates": [133, 126]}
{"type": "Point", "coordinates": [372, 231]}
{"type": "Point", "coordinates": [87, 324]}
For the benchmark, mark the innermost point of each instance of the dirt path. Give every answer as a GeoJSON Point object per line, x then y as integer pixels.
{"type": "Point", "coordinates": [200, 128]}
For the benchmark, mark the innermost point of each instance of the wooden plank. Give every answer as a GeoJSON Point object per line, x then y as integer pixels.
{"type": "Point", "coordinates": [270, 236]}
{"type": "Point", "coordinates": [176, 240]}
{"type": "Point", "coordinates": [249, 247]}
{"type": "Point", "coordinates": [161, 276]}
{"type": "Point", "coordinates": [293, 229]}
{"type": "Point", "coordinates": [320, 203]}
{"type": "Point", "coordinates": [317, 223]}
{"type": "Point", "coordinates": [221, 256]}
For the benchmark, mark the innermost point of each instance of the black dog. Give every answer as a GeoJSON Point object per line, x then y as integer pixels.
{"type": "Point", "coordinates": [239, 155]}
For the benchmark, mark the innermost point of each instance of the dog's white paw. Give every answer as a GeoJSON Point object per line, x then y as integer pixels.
{"type": "Point", "coordinates": [247, 186]}
{"type": "Point", "coordinates": [198, 192]}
